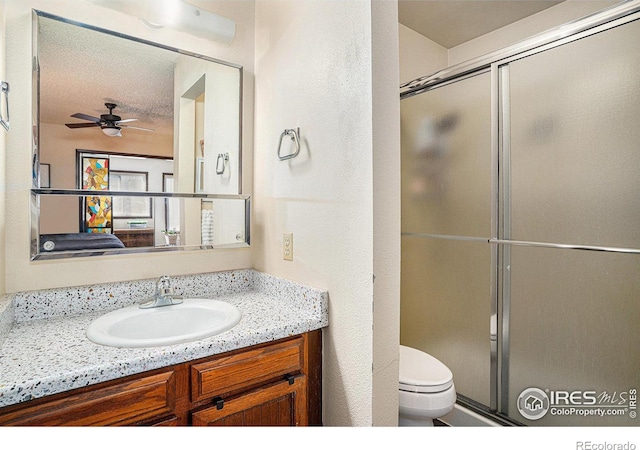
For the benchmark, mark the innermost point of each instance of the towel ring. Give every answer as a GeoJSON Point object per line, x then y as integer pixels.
{"type": "Point", "coordinates": [224, 157]}
{"type": "Point", "coordinates": [294, 137]}
{"type": "Point", "coordinates": [4, 87]}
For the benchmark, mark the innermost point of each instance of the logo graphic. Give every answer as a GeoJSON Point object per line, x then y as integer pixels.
{"type": "Point", "coordinates": [533, 403]}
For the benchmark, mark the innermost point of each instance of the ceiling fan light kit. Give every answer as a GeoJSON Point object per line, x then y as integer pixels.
{"type": "Point", "coordinates": [112, 132]}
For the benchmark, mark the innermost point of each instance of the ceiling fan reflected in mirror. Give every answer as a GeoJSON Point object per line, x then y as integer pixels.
{"type": "Point", "coordinates": [110, 124]}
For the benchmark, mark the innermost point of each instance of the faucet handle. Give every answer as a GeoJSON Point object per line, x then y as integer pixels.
{"type": "Point", "coordinates": [163, 286]}
{"type": "Point", "coordinates": [164, 295]}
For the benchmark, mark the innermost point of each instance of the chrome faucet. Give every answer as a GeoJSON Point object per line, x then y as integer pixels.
{"type": "Point", "coordinates": [164, 295]}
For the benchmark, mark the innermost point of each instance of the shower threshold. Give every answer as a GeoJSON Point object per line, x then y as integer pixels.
{"type": "Point", "coordinates": [466, 413]}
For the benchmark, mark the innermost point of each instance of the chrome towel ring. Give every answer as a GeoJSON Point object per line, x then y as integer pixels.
{"type": "Point", "coordinates": [295, 136]}
{"type": "Point", "coordinates": [221, 162]}
{"type": "Point", "coordinates": [4, 86]}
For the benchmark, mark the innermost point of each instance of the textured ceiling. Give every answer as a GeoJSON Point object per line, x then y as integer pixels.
{"type": "Point", "coordinates": [81, 69]}
{"type": "Point", "coordinates": [453, 22]}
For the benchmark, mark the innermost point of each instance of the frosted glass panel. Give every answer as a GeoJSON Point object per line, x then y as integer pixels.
{"type": "Point", "coordinates": [446, 159]}
{"type": "Point", "coordinates": [446, 307]}
{"type": "Point", "coordinates": [574, 326]}
{"type": "Point", "coordinates": [575, 129]}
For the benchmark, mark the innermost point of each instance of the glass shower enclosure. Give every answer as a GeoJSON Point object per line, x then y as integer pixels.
{"type": "Point", "coordinates": [521, 226]}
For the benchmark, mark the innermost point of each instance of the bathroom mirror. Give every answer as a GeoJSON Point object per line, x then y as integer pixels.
{"type": "Point", "coordinates": [122, 115]}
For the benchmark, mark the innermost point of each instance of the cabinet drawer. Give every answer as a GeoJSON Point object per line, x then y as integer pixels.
{"type": "Point", "coordinates": [278, 404]}
{"type": "Point", "coordinates": [121, 404]}
{"type": "Point", "coordinates": [242, 370]}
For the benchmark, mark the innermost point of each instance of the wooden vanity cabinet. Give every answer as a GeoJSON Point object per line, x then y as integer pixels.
{"type": "Point", "coordinates": [277, 383]}
{"type": "Point", "coordinates": [249, 401]}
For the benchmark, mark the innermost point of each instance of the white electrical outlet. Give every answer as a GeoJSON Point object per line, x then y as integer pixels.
{"type": "Point", "coordinates": [287, 246]}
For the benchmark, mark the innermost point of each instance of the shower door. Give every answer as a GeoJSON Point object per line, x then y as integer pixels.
{"type": "Point", "coordinates": [571, 220]}
{"type": "Point", "coordinates": [446, 224]}
{"type": "Point", "coordinates": [521, 230]}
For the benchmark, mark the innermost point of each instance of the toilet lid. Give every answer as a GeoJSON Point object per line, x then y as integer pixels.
{"type": "Point", "coordinates": [421, 372]}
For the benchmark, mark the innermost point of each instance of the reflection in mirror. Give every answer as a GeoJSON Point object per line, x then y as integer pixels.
{"type": "Point", "coordinates": [144, 124]}
{"type": "Point", "coordinates": [102, 171]}
{"type": "Point", "coordinates": [174, 223]}
{"type": "Point", "coordinates": [102, 91]}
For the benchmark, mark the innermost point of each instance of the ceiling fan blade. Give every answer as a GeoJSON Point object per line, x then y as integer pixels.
{"type": "Point", "coordinates": [85, 117]}
{"type": "Point", "coordinates": [136, 128]}
{"type": "Point", "coordinates": [82, 125]}
{"type": "Point", "coordinates": [125, 120]}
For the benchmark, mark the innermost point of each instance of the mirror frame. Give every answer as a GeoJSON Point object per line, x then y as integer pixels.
{"type": "Point", "coordinates": [37, 192]}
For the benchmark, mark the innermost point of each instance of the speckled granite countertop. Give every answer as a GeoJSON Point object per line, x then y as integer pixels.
{"type": "Point", "coordinates": [45, 351]}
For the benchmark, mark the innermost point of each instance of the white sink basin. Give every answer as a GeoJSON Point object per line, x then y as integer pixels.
{"type": "Point", "coordinates": [191, 320]}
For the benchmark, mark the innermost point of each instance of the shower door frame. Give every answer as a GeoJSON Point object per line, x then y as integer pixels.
{"type": "Point", "coordinates": [498, 65]}
{"type": "Point", "coordinates": [502, 145]}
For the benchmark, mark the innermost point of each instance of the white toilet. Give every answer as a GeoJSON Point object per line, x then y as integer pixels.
{"type": "Point", "coordinates": [426, 388]}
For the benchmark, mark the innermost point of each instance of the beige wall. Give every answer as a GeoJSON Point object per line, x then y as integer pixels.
{"type": "Point", "coordinates": [3, 185]}
{"type": "Point", "coordinates": [315, 70]}
{"type": "Point", "coordinates": [21, 274]}
{"type": "Point", "coordinates": [419, 56]}
{"type": "Point", "coordinates": [544, 20]}
{"type": "Point", "coordinates": [386, 213]}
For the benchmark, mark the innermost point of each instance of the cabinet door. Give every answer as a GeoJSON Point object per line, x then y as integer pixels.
{"type": "Point", "coordinates": [279, 404]}
{"type": "Point", "coordinates": [121, 404]}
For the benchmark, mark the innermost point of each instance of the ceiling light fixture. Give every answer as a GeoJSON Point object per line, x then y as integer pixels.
{"type": "Point", "coordinates": [178, 15]}
{"type": "Point", "coordinates": [153, 26]}
{"type": "Point", "coordinates": [112, 131]}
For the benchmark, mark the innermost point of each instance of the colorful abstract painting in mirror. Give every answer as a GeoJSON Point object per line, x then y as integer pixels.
{"type": "Point", "coordinates": [97, 209]}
